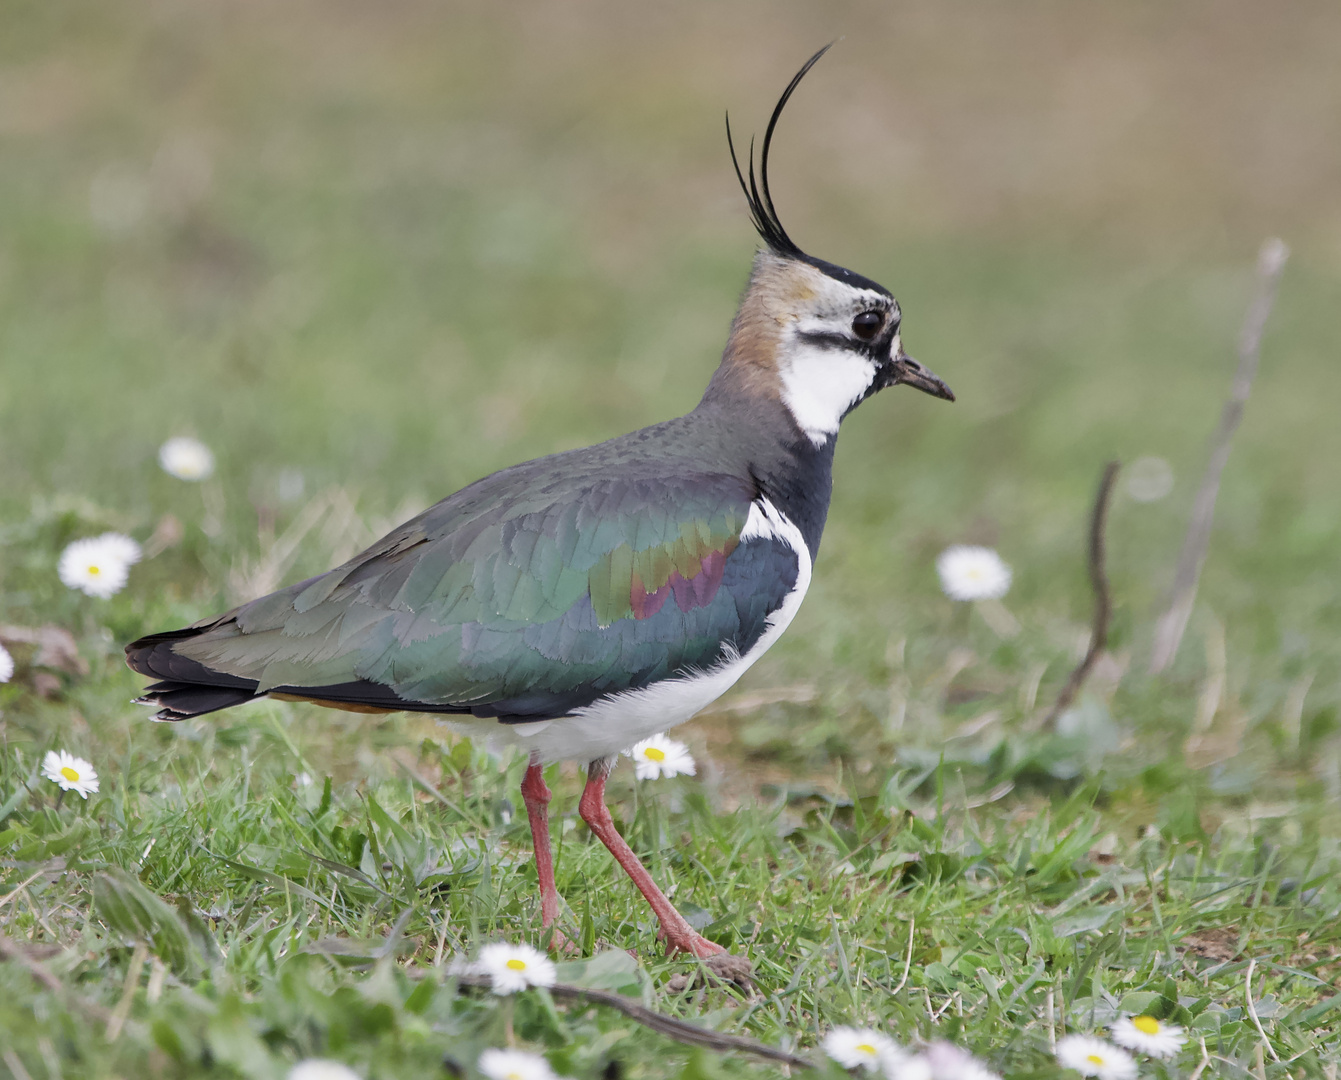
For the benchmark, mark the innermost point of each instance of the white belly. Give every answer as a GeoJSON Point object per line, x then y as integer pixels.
{"type": "Point", "coordinates": [606, 727]}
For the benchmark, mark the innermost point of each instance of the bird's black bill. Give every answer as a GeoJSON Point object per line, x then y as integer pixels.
{"type": "Point", "coordinates": [908, 372]}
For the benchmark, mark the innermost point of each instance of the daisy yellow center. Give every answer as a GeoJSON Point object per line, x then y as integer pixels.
{"type": "Point", "coordinates": [865, 1048]}
{"type": "Point", "coordinates": [70, 774]}
{"type": "Point", "coordinates": [516, 965]}
{"type": "Point", "coordinates": [1147, 1025]}
{"type": "Point", "coordinates": [653, 754]}
{"type": "Point", "coordinates": [1094, 1059]}
{"type": "Point", "coordinates": [94, 570]}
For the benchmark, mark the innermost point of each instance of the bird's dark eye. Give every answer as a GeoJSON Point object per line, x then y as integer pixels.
{"type": "Point", "coordinates": [867, 324]}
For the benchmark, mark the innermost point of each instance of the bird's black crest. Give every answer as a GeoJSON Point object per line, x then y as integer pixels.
{"type": "Point", "coordinates": [762, 212]}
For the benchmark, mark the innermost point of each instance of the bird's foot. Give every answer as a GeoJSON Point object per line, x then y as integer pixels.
{"type": "Point", "coordinates": [694, 944]}
{"type": "Point", "coordinates": [721, 965]}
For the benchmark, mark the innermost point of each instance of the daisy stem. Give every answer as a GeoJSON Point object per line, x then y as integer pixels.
{"type": "Point", "coordinates": [60, 799]}
{"type": "Point", "coordinates": [995, 614]}
{"type": "Point", "coordinates": [651, 827]}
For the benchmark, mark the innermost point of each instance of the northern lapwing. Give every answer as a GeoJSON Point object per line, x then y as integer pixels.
{"type": "Point", "coordinates": [579, 603]}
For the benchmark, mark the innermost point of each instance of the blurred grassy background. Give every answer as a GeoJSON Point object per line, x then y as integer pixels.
{"type": "Point", "coordinates": [379, 251]}
{"type": "Point", "coordinates": [369, 253]}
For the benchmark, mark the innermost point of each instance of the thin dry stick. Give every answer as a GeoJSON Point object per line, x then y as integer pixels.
{"type": "Point", "coordinates": [15, 1065]}
{"type": "Point", "coordinates": [37, 874]}
{"type": "Point", "coordinates": [27, 957]}
{"type": "Point", "coordinates": [1252, 1009]}
{"type": "Point", "coordinates": [1103, 605]}
{"type": "Point", "coordinates": [907, 960]}
{"type": "Point", "coordinates": [1205, 1060]}
{"type": "Point", "coordinates": [1169, 629]}
{"type": "Point", "coordinates": [13, 950]}
{"type": "Point", "coordinates": [679, 1030]}
{"type": "Point", "coordinates": [122, 1011]}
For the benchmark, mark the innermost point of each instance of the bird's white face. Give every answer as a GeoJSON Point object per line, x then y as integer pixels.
{"type": "Point", "coordinates": [837, 345]}
{"type": "Point", "coordinates": [819, 339]}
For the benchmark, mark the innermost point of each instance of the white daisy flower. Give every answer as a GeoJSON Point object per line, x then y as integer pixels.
{"type": "Point", "coordinates": [1149, 479]}
{"type": "Point", "coordinates": [863, 1048]}
{"type": "Point", "coordinates": [186, 458]}
{"type": "Point", "coordinates": [514, 1065]}
{"type": "Point", "coordinates": [1146, 1035]}
{"type": "Point", "coordinates": [515, 967]}
{"type": "Point", "coordinates": [463, 965]}
{"type": "Point", "coordinates": [942, 1061]}
{"type": "Point", "coordinates": [914, 1067]}
{"type": "Point", "coordinates": [1095, 1057]}
{"type": "Point", "coordinates": [973, 573]}
{"type": "Point", "coordinates": [6, 665]}
{"type": "Point", "coordinates": [70, 772]}
{"type": "Point", "coordinates": [660, 756]}
{"type": "Point", "coordinates": [322, 1069]}
{"type": "Point", "coordinates": [99, 565]}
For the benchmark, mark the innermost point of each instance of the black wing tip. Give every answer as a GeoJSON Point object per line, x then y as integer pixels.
{"type": "Point", "coordinates": [164, 714]}
{"type": "Point", "coordinates": [182, 701]}
{"type": "Point", "coordinates": [757, 193]}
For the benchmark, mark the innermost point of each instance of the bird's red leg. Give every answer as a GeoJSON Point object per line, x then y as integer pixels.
{"type": "Point", "coordinates": [536, 795]}
{"type": "Point", "coordinates": [679, 935]}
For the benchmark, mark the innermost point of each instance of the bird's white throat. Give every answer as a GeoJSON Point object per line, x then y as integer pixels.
{"type": "Point", "coordinates": [819, 386]}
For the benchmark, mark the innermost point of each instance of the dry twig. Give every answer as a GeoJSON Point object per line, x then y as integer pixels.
{"type": "Point", "coordinates": [1103, 606]}
{"type": "Point", "coordinates": [15, 1065]}
{"type": "Point", "coordinates": [907, 960]}
{"type": "Point", "coordinates": [1205, 1060]}
{"type": "Point", "coordinates": [117, 1020]}
{"type": "Point", "coordinates": [1169, 629]}
{"type": "Point", "coordinates": [679, 1030]}
{"type": "Point", "coordinates": [29, 957]}
{"type": "Point", "coordinates": [22, 955]}
{"type": "Point", "coordinates": [21, 886]}
{"type": "Point", "coordinates": [1252, 1009]}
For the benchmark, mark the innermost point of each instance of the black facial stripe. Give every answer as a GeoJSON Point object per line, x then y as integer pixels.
{"type": "Point", "coordinates": [825, 340]}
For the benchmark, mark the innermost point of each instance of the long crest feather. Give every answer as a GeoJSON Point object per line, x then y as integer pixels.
{"type": "Point", "coordinates": [757, 195]}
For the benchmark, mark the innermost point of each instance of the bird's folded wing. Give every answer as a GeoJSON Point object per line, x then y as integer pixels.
{"type": "Point", "coordinates": [519, 609]}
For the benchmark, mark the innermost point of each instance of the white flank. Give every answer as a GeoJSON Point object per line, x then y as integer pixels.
{"type": "Point", "coordinates": [608, 726]}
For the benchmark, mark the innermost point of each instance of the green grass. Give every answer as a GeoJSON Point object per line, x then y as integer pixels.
{"type": "Point", "coordinates": [1027, 914]}
{"type": "Point", "coordinates": [428, 245]}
